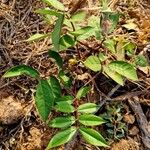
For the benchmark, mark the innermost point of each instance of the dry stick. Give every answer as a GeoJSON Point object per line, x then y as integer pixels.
{"type": "Point", "coordinates": [129, 95]}
{"type": "Point", "coordinates": [111, 93]}
{"type": "Point", "coordinates": [142, 121]}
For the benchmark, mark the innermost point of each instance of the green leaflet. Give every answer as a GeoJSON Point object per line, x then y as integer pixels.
{"type": "Point", "coordinates": [82, 92]}
{"type": "Point", "coordinates": [57, 31]}
{"type": "Point", "coordinates": [93, 63]}
{"type": "Point", "coordinates": [102, 57]}
{"type": "Point", "coordinates": [110, 44]}
{"type": "Point", "coordinates": [86, 35]}
{"type": "Point", "coordinates": [64, 78]}
{"type": "Point", "coordinates": [67, 98]}
{"type": "Point", "coordinates": [61, 138]}
{"type": "Point", "coordinates": [114, 75]}
{"type": "Point", "coordinates": [93, 137]}
{"type": "Point", "coordinates": [88, 108]}
{"type": "Point", "coordinates": [81, 31]}
{"type": "Point", "coordinates": [114, 19]}
{"type": "Point", "coordinates": [130, 48]}
{"type": "Point", "coordinates": [90, 120]}
{"type": "Point", "coordinates": [79, 16]}
{"type": "Point", "coordinates": [66, 41]}
{"type": "Point", "coordinates": [54, 86]}
{"type": "Point", "coordinates": [21, 70]}
{"type": "Point", "coordinates": [56, 57]}
{"type": "Point", "coordinates": [94, 21]}
{"type": "Point", "coordinates": [142, 61]}
{"type": "Point", "coordinates": [125, 69]}
{"type": "Point", "coordinates": [65, 107]}
{"type": "Point", "coordinates": [55, 3]}
{"type": "Point", "coordinates": [37, 37]}
{"type": "Point", "coordinates": [62, 122]}
{"type": "Point", "coordinates": [44, 99]}
{"type": "Point", "coordinates": [47, 11]}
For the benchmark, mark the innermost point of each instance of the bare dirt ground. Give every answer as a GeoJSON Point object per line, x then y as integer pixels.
{"type": "Point", "coordinates": [20, 126]}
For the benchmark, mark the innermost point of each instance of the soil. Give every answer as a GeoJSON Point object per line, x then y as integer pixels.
{"type": "Point", "coordinates": [20, 125]}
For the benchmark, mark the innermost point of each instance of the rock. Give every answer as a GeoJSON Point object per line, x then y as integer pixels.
{"type": "Point", "coordinates": [10, 110]}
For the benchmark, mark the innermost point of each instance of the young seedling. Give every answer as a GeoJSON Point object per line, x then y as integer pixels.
{"type": "Point", "coordinates": [75, 117]}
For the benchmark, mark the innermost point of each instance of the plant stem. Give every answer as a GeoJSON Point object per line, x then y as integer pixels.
{"type": "Point", "coordinates": [76, 104]}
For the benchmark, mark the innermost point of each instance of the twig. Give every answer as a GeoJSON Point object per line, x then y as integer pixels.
{"type": "Point", "coordinates": [130, 95]}
{"type": "Point", "coordinates": [142, 121]}
{"type": "Point", "coordinates": [111, 93]}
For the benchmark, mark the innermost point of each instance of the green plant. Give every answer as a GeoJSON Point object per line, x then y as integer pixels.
{"type": "Point", "coordinates": [115, 126]}
{"type": "Point", "coordinates": [74, 116]}
{"type": "Point", "coordinates": [112, 61]}
{"type": "Point", "coordinates": [68, 30]}
{"type": "Point", "coordinates": [117, 60]}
